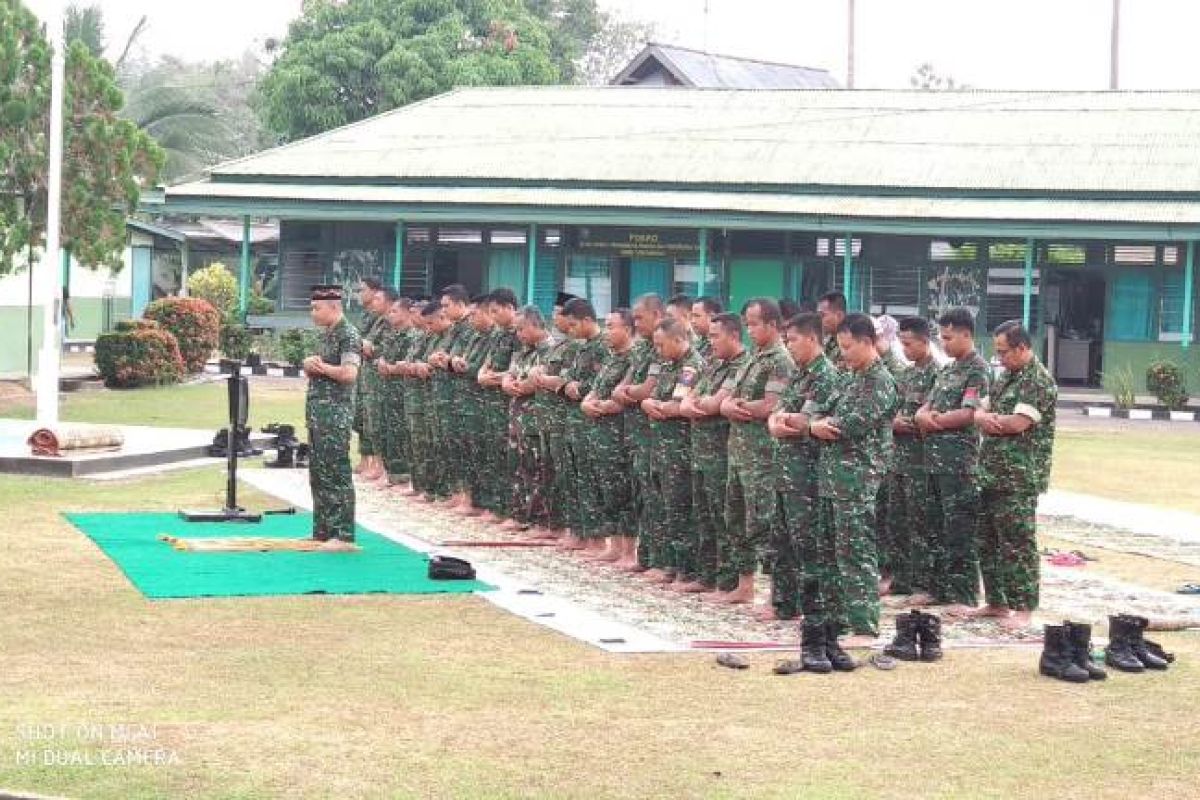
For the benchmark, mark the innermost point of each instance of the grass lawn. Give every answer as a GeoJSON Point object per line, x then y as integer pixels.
{"type": "Point", "coordinates": [449, 697]}
{"type": "Point", "coordinates": [1154, 467]}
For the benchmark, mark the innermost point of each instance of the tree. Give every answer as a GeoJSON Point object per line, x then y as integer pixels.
{"type": "Point", "coordinates": [106, 159]}
{"type": "Point", "coordinates": [86, 24]}
{"type": "Point", "coordinates": [345, 61]}
{"type": "Point", "coordinates": [615, 44]}
{"type": "Point", "coordinates": [927, 79]}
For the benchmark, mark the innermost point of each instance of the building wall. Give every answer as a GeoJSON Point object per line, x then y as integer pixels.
{"type": "Point", "coordinates": [1137, 356]}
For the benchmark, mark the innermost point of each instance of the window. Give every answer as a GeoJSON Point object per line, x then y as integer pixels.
{"type": "Point", "coordinates": [1171, 304]}
{"type": "Point", "coordinates": [1132, 306]}
{"type": "Point", "coordinates": [591, 277]}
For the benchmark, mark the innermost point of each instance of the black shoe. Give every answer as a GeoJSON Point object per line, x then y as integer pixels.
{"type": "Point", "coordinates": [1057, 660]}
{"type": "Point", "coordinates": [1137, 644]}
{"type": "Point", "coordinates": [929, 636]}
{"type": "Point", "coordinates": [812, 648]}
{"type": "Point", "coordinates": [839, 659]}
{"type": "Point", "coordinates": [1154, 648]}
{"type": "Point", "coordinates": [904, 646]}
{"type": "Point", "coordinates": [1119, 653]}
{"type": "Point", "coordinates": [1081, 649]}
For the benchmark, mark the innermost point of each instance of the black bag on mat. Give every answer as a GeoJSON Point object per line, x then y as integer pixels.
{"type": "Point", "coordinates": [448, 568]}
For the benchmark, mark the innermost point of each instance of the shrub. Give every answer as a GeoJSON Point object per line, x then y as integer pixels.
{"type": "Point", "coordinates": [138, 353]}
{"type": "Point", "coordinates": [260, 304]}
{"type": "Point", "coordinates": [235, 341]}
{"type": "Point", "coordinates": [1166, 381]}
{"type": "Point", "coordinates": [1119, 383]}
{"type": "Point", "coordinates": [195, 324]}
{"type": "Point", "coordinates": [296, 344]}
{"type": "Point", "coordinates": [218, 286]}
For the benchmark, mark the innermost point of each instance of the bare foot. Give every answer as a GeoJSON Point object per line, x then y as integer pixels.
{"type": "Point", "coordinates": [510, 525]}
{"type": "Point", "coordinates": [919, 599]}
{"type": "Point", "coordinates": [960, 610]}
{"type": "Point", "coordinates": [630, 565]}
{"type": "Point", "coordinates": [691, 587]}
{"type": "Point", "coordinates": [885, 586]}
{"type": "Point", "coordinates": [1017, 620]}
{"type": "Point", "coordinates": [991, 612]}
{"type": "Point", "coordinates": [657, 576]}
{"type": "Point", "coordinates": [765, 613]}
{"type": "Point", "coordinates": [858, 640]}
{"type": "Point", "coordinates": [737, 597]}
{"type": "Point", "coordinates": [338, 545]}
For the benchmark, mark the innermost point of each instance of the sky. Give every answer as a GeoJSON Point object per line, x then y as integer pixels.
{"type": "Point", "coordinates": [987, 44]}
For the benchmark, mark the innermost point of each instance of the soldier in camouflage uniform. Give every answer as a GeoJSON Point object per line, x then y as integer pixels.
{"type": "Point", "coordinates": [531, 478]}
{"type": "Point", "coordinates": [468, 405]}
{"type": "Point", "coordinates": [704, 311]}
{"type": "Point", "coordinates": [856, 443]}
{"type": "Point", "coordinates": [832, 308]}
{"type": "Point", "coordinates": [392, 349]}
{"type": "Point", "coordinates": [1017, 421]}
{"type": "Point", "coordinates": [753, 396]}
{"type": "Point", "coordinates": [405, 367]}
{"type": "Point", "coordinates": [496, 470]}
{"type": "Point", "coordinates": [886, 329]}
{"type": "Point", "coordinates": [679, 308]}
{"type": "Point", "coordinates": [805, 564]}
{"type": "Point", "coordinates": [422, 413]}
{"type": "Point", "coordinates": [947, 421]}
{"type": "Point", "coordinates": [578, 379]}
{"type": "Point", "coordinates": [670, 554]}
{"type": "Point", "coordinates": [604, 493]}
{"type": "Point", "coordinates": [456, 307]}
{"type": "Point", "coordinates": [637, 386]}
{"type": "Point", "coordinates": [910, 561]}
{"type": "Point", "coordinates": [552, 410]}
{"type": "Point", "coordinates": [710, 451]}
{"type": "Point", "coordinates": [366, 410]}
{"type": "Point", "coordinates": [329, 414]}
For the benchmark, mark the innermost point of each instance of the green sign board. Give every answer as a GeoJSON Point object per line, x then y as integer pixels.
{"type": "Point", "coordinates": [639, 242]}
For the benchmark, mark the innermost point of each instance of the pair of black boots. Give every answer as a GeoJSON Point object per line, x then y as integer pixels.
{"type": "Point", "coordinates": [1067, 653]}
{"type": "Point", "coordinates": [819, 651]}
{"type": "Point", "coordinates": [918, 637]}
{"type": "Point", "coordinates": [1128, 650]}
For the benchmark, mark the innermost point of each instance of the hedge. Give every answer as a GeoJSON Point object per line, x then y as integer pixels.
{"type": "Point", "coordinates": [138, 353]}
{"type": "Point", "coordinates": [195, 324]}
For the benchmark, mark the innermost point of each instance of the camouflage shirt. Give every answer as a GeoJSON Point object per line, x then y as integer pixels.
{"type": "Point", "coordinates": [912, 386]}
{"type": "Point", "coordinates": [612, 372]}
{"type": "Point", "coordinates": [504, 345]}
{"type": "Point", "coordinates": [477, 352]}
{"type": "Point", "coordinates": [766, 373]}
{"type": "Point", "coordinates": [327, 400]}
{"type": "Point", "coordinates": [642, 358]}
{"type": "Point", "coordinates": [701, 346]}
{"type": "Point", "coordinates": [852, 466]}
{"type": "Point", "coordinates": [959, 384]}
{"type": "Point", "coordinates": [710, 436]}
{"type": "Point", "coordinates": [811, 391]}
{"type": "Point", "coordinates": [675, 379]}
{"type": "Point", "coordinates": [1021, 464]}
{"type": "Point", "coordinates": [589, 361]}
{"type": "Point", "coordinates": [557, 359]}
{"type": "Point", "coordinates": [833, 352]}
{"type": "Point", "coordinates": [523, 362]}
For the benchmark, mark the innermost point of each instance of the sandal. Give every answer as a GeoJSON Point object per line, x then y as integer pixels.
{"type": "Point", "coordinates": [790, 667]}
{"type": "Point", "coordinates": [883, 662]}
{"type": "Point", "coordinates": [733, 661]}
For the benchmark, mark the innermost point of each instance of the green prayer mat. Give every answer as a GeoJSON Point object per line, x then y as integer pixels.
{"type": "Point", "coordinates": [160, 571]}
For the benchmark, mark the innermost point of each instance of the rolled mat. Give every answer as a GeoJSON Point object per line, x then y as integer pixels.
{"type": "Point", "coordinates": [244, 544]}
{"type": "Point", "coordinates": [52, 441]}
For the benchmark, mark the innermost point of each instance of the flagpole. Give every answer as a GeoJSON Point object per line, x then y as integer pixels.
{"type": "Point", "coordinates": [48, 360]}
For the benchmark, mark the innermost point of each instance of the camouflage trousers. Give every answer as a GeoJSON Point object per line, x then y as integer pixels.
{"type": "Point", "coordinates": [710, 479]}
{"type": "Point", "coordinates": [804, 576]}
{"type": "Point", "coordinates": [396, 443]}
{"type": "Point", "coordinates": [330, 478]}
{"type": "Point", "coordinates": [642, 510]}
{"type": "Point", "coordinates": [370, 402]}
{"type": "Point", "coordinates": [531, 474]}
{"type": "Point", "coordinates": [669, 545]}
{"type": "Point", "coordinates": [850, 535]}
{"type": "Point", "coordinates": [749, 512]}
{"type": "Point", "coordinates": [560, 458]}
{"type": "Point", "coordinates": [464, 437]}
{"type": "Point", "coordinates": [1008, 553]}
{"type": "Point", "coordinates": [439, 454]}
{"type": "Point", "coordinates": [906, 549]}
{"type": "Point", "coordinates": [953, 518]}
{"type": "Point", "coordinates": [495, 469]}
{"type": "Point", "coordinates": [603, 480]}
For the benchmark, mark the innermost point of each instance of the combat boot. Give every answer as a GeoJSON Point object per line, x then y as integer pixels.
{"type": "Point", "coordinates": [1141, 650]}
{"type": "Point", "coordinates": [929, 636]}
{"type": "Point", "coordinates": [1119, 653]}
{"type": "Point", "coordinates": [1057, 660]}
{"type": "Point", "coordinates": [1081, 649]}
{"type": "Point", "coordinates": [839, 659]}
{"type": "Point", "coordinates": [904, 646]}
{"type": "Point", "coordinates": [812, 648]}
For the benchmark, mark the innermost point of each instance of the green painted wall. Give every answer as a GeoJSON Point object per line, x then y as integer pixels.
{"type": "Point", "coordinates": [13, 344]}
{"type": "Point", "coordinates": [1138, 355]}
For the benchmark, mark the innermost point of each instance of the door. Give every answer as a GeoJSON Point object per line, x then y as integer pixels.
{"type": "Point", "coordinates": [754, 277]}
{"type": "Point", "coordinates": [649, 276]}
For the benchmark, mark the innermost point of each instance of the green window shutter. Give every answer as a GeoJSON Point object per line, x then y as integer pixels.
{"type": "Point", "coordinates": [1131, 312]}
{"type": "Point", "coordinates": [506, 268]}
{"type": "Point", "coordinates": [1170, 313]}
{"type": "Point", "coordinates": [546, 281]}
{"type": "Point", "coordinates": [649, 276]}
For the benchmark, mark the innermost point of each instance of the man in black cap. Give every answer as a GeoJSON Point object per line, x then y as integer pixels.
{"type": "Point", "coordinates": [329, 413]}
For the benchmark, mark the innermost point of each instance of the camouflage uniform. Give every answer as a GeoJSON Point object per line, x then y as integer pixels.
{"type": "Point", "coordinates": [552, 411]}
{"type": "Point", "coordinates": [883, 536]}
{"type": "Point", "coordinates": [370, 392]}
{"type": "Point", "coordinates": [670, 545]}
{"type": "Point", "coordinates": [495, 467]}
{"type": "Point", "coordinates": [446, 430]}
{"type": "Point", "coordinates": [363, 326]}
{"type": "Point", "coordinates": [419, 413]}
{"type": "Point", "coordinates": [642, 358]}
{"type": "Point", "coordinates": [1014, 470]}
{"type": "Point", "coordinates": [585, 368]}
{"type": "Point", "coordinates": [804, 560]}
{"type": "Point", "coordinates": [710, 475]}
{"type": "Point", "coordinates": [702, 346]}
{"type": "Point", "coordinates": [329, 415]}
{"type": "Point", "coordinates": [470, 418]}
{"type": "Point", "coordinates": [951, 458]}
{"type": "Point", "coordinates": [834, 352]}
{"type": "Point", "coordinates": [396, 446]}
{"type": "Point", "coordinates": [531, 474]}
{"type": "Point", "coordinates": [850, 470]}
{"type": "Point", "coordinates": [909, 557]}
{"type": "Point", "coordinates": [604, 491]}
{"type": "Point", "coordinates": [750, 495]}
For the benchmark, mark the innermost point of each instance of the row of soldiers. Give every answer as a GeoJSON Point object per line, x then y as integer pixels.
{"type": "Point", "coordinates": [665, 445]}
